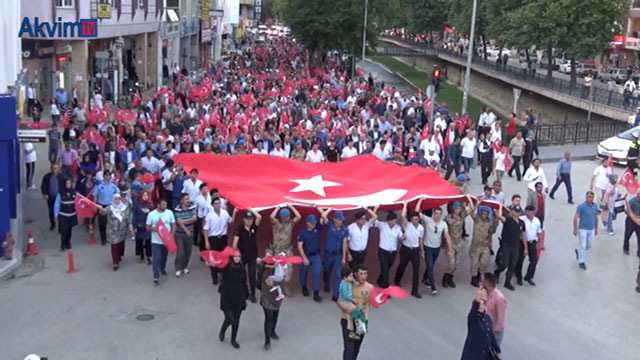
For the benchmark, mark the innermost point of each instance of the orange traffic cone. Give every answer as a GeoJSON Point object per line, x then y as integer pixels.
{"type": "Point", "coordinates": [72, 269]}
{"type": "Point", "coordinates": [31, 247]}
{"type": "Point", "coordinates": [92, 240]}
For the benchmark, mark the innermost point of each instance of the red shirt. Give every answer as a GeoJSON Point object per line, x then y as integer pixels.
{"type": "Point", "coordinates": [511, 126]}
{"type": "Point", "coordinates": [540, 211]}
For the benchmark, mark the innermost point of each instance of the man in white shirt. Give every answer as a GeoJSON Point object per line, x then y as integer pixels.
{"type": "Point", "coordinates": [429, 143]}
{"type": "Point", "coordinates": [349, 151]}
{"type": "Point", "coordinates": [410, 250]}
{"type": "Point", "coordinates": [97, 99]}
{"type": "Point", "coordinates": [440, 122]}
{"type": "Point", "coordinates": [168, 174]}
{"type": "Point", "coordinates": [390, 235]}
{"type": "Point", "coordinates": [532, 229]}
{"type": "Point", "coordinates": [30, 157]}
{"type": "Point", "coordinates": [203, 207]}
{"type": "Point", "coordinates": [214, 231]}
{"type": "Point", "coordinates": [435, 229]}
{"type": "Point", "coordinates": [315, 155]}
{"type": "Point", "coordinates": [31, 98]}
{"type": "Point", "coordinates": [359, 237]}
{"type": "Point", "coordinates": [150, 163]}
{"type": "Point", "coordinates": [468, 145]}
{"type": "Point", "coordinates": [259, 149]}
{"type": "Point", "coordinates": [600, 179]}
{"type": "Point", "coordinates": [535, 174]}
{"type": "Point", "coordinates": [278, 150]}
{"type": "Point", "coordinates": [380, 150]}
{"type": "Point", "coordinates": [192, 185]}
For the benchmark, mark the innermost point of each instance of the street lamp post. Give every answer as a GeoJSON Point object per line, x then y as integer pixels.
{"type": "Point", "coordinates": [467, 76]}
{"type": "Point", "coordinates": [364, 30]}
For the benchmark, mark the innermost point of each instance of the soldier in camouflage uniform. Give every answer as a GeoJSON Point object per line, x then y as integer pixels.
{"type": "Point", "coordinates": [479, 250]}
{"type": "Point", "coordinates": [282, 231]}
{"type": "Point", "coordinates": [455, 221]}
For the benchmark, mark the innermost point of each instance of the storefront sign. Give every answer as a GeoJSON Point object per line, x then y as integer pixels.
{"type": "Point", "coordinates": [206, 31]}
{"type": "Point", "coordinates": [632, 43]}
{"type": "Point", "coordinates": [104, 11]}
{"type": "Point", "coordinates": [63, 47]}
{"type": "Point", "coordinates": [206, 5]}
{"type": "Point", "coordinates": [28, 135]}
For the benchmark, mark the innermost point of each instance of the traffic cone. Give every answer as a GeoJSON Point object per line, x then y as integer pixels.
{"type": "Point", "coordinates": [31, 247]}
{"type": "Point", "coordinates": [92, 240]}
{"type": "Point", "coordinates": [72, 269]}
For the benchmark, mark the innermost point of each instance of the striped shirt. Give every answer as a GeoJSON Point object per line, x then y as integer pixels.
{"type": "Point", "coordinates": [184, 214]}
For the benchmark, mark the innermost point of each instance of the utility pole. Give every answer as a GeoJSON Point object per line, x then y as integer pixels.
{"type": "Point", "coordinates": [467, 76]}
{"type": "Point", "coordinates": [364, 30]}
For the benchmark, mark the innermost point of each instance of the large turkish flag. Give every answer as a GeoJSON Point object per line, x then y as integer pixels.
{"type": "Point", "coordinates": [261, 182]}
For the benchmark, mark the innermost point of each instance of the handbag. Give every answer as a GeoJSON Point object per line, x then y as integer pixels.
{"type": "Point", "coordinates": [619, 206]}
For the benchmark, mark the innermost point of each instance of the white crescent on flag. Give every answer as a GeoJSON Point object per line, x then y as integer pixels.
{"type": "Point", "coordinates": [388, 196]}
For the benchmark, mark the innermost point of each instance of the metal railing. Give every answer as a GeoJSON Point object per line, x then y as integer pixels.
{"type": "Point", "coordinates": [595, 95]}
{"type": "Point", "coordinates": [576, 133]}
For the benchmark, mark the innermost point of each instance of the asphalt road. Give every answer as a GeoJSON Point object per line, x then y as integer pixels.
{"type": "Point", "coordinates": [571, 314]}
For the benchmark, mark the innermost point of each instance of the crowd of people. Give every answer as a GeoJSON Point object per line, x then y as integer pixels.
{"type": "Point", "coordinates": [276, 99]}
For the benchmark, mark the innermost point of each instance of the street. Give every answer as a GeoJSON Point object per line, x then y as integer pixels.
{"type": "Point", "coordinates": [571, 314]}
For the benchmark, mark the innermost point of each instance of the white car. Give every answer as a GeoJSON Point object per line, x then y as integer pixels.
{"type": "Point", "coordinates": [617, 146]}
{"type": "Point", "coordinates": [565, 68]}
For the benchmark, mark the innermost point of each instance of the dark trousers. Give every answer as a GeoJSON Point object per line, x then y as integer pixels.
{"type": "Point", "coordinates": [315, 264]}
{"type": "Point", "coordinates": [629, 228]}
{"type": "Point", "coordinates": [516, 167]}
{"type": "Point", "coordinates": [532, 249]}
{"type": "Point", "coordinates": [52, 218]}
{"type": "Point", "coordinates": [102, 227]}
{"type": "Point", "coordinates": [526, 162]}
{"type": "Point", "coordinates": [31, 169]}
{"type": "Point", "coordinates": [143, 248]}
{"type": "Point", "coordinates": [249, 262]}
{"type": "Point", "coordinates": [197, 232]}
{"type": "Point", "coordinates": [159, 252]}
{"type": "Point", "coordinates": [65, 238]}
{"type": "Point", "coordinates": [451, 167]}
{"type": "Point", "coordinates": [431, 255]}
{"type": "Point", "coordinates": [53, 155]}
{"type": "Point", "coordinates": [509, 256]}
{"type": "Point", "coordinates": [270, 322]}
{"type": "Point", "coordinates": [217, 243]}
{"type": "Point", "coordinates": [30, 104]}
{"type": "Point", "coordinates": [386, 262]}
{"type": "Point", "coordinates": [231, 318]}
{"type": "Point", "coordinates": [486, 165]}
{"type": "Point", "coordinates": [333, 263]}
{"type": "Point", "coordinates": [406, 255]}
{"type": "Point", "coordinates": [351, 347]}
{"type": "Point", "coordinates": [358, 257]}
{"type": "Point", "coordinates": [566, 179]}
{"type": "Point", "coordinates": [117, 252]}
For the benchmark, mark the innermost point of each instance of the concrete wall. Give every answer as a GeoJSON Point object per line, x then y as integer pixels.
{"type": "Point", "coordinates": [10, 61]}
{"type": "Point", "coordinates": [80, 68]}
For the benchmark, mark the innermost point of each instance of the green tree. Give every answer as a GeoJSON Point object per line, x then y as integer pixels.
{"type": "Point", "coordinates": [460, 12]}
{"type": "Point", "coordinates": [425, 15]}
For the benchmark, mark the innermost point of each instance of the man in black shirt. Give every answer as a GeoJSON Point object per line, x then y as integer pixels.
{"type": "Point", "coordinates": [513, 240]}
{"type": "Point", "coordinates": [245, 241]}
{"type": "Point", "coordinates": [332, 153]}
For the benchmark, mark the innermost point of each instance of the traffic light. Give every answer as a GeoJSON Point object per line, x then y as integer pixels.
{"type": "Point", "coordinates": [435, 78]}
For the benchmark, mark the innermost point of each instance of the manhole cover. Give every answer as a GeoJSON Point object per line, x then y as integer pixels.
{"type": "Point", "coordinates": [145, 317]}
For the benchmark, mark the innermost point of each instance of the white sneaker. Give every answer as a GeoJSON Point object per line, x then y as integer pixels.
{"type": "Point", "coordinates": [178, 273]}
{"type": "Point", "coordinates": [186, 271]}
{"type": "Point", "coordinates": [611, 233]}
{"type": "Point", "coordinates": [32, 187]}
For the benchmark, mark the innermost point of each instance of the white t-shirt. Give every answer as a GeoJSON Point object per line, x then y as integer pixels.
{"type": "Point", "coordinates": [433, 231]}
{"type": "Point", "coordinates": [314, 156]}
{"type": "Point", "coordinates": [217, 225]}
{"type": "Point", "coordinates": [348, 152]}
{"type": "Point", "coordinates": [500, 161]}
{"type": "Point", "coordinates": [388, 235]}
{"type": "Point", "coordinates": [166, 175]}
{"type": "Point", "coordinates": [414, 234]}
{"type": "Point", "coordinates": [358, 237]}
{"type": "Point", "coordinates": [602, 177]}
{"type": "Point", "coordinates": [259, 152]}
{"type": "Point", "coordinates": [279, 153]}
{"type": "Point", "coordinates": [31, 157]}
{"type": "Point", "coordinates": [468, 146]}
{"type": "Point", "coordinates": [380, 153]}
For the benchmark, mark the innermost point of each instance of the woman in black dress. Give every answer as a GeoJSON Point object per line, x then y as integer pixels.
{"type": "Point", "coordinates": [233, 297]}
{"type": "Point", "coordinates": [481, 342]}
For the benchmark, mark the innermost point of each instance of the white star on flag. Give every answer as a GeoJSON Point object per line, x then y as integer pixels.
{"type": "Point", "coordinates": [316, 185]}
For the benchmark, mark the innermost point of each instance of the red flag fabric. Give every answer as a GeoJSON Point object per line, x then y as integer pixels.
{"type": "Point", "coordinates": [540, 245]}
{"type": "Point", "coordinates": [629, 181]}
{"type": "Point", "coordinates": [122, 144]}
{"type": "Point", "coordinates": [85, 208]}
{"type": "Point", "coordinates": [282, 260]}
{"type": "Point", "coordinates": [610, 161]}
{"type": "Point", "coordinates": [93, 136]}
{"type": "Point", "coordinates": [508, 162]}
{"type": "Point", "coordinates": [219, 259]}
{"type": "Point", "coordinates": [497, 145]}
{"type": "Point", "coordinates": [149, 178]}
{"type": "Point", "coordinates": [166, 237]}
{"type": "Point", "coordinates": [35, 125]}
{"type": "Point", "coordinates": [356, 182]}
{"type": "Point", "coordinates": [378, 296]}
{"type": "Point", "coordinates": [136, 100]}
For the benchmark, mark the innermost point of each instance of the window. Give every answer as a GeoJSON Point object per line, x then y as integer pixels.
{"type": "Point", "coordinates": [172, 15]}
{"type": "Point", "coordinates": [173, 4]}
{"type": "Point", "coordinates": [64, 3]}
{"type": "Point", "coordinates": [141, 4]}
{"type": "Point", "coordinates": [635, 4]}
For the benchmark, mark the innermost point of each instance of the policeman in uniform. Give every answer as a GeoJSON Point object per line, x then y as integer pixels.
{"type": "Point", "coordinates": [335, 255]}
{"type": "Point", "coordinates": [455, 221]}
{"type": "Point", "coordinates": [512, 244]}
{"type": "Point", "coordinates": [632, 155]}
{"type": "Point", "coordinates": [309, 248]}
{"type": "Point", "coordinates": [479, 250]}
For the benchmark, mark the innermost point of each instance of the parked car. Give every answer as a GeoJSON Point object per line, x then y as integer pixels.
{"type": "Point", "coordinates": [565, 67]}
{"type": "Point", "coordinates": [617, 75]}
{"type": "Point", "coordinates": [582, 69]}
{"type": "Point", "coordinates": [616, 146]}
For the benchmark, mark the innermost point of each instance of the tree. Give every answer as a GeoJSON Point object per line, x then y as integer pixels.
{"type": "Point", "coordinates": [460, 12]}
{"type": "Point", "coordinates": [425, 15]}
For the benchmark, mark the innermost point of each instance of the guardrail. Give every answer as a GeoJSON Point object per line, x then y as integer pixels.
{"type": "Point", "coordinates": [593, 94]}
{"type": "Point", "coordinates": [576, 133]}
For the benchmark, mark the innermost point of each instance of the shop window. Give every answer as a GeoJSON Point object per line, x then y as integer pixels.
{"type": "Point", "coordinates": [64, 3]}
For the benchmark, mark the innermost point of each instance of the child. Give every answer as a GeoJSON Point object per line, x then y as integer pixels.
{"type": "Point", "coordinates": [278, 276]}
{"type": "Point", "coordinates": [346, 300]}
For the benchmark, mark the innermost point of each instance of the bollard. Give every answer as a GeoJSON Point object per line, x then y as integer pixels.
{"type": "Point", "coordinates": [31, 247]}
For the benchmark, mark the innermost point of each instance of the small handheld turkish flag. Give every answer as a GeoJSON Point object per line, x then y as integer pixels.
{"type": "Point", "coordinates": [219, 259]}
{"type": "Point", "coordinates": [379, 296]}
{"type": "Point", "coordinates": [281, 260]}
{"type": "Point", "coordinates": [508, 163]}
{"type": "Point", "coordinates": [85, 208]}
{"type": "Point", "coordinates": [166, 237]}
{"type": "Point", "coordinates": [497, 145]}
{"type": "Point", "coordinates": [628, 180]}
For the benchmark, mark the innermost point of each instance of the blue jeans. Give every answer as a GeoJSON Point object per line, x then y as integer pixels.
{"type": "Point", "coordinates": [315, 263]}
{"type": "Point", "coordinates": [612, 216]}
{"type": "Point", "coordinates": [333, 262]}
{"type": "Point", "coordinates": [159, 253]}
{"type": "Point", "coordinates": [467, 163]}
{"type": "Point", "coordinates": [431, 255]}
{"type": "Point", "coordinates": [499, 338]}
{"type": "Point", "coordinates": [585, 242]}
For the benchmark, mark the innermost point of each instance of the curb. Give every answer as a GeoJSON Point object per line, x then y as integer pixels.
{"type": "Point", "coordinates": [395, 73]}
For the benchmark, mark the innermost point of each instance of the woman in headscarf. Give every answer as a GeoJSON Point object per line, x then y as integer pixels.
{"type": "Point", "coordinates": [611, 194]}
{"type": "Point", "coordinates": [86, 166]}
{"type": "Point", "coordinates": [125, 190]}
{"type": "Point", "coordinates": [481, 342]}
{"type": "Point", "coordinates": [143, 237]}
{"type": "Point", "coordinates": [65, 210]}
{"type": "Point", "coordinates": [119, 227]}
{"type": "Point", "coordinates": [233, 297]}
